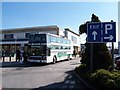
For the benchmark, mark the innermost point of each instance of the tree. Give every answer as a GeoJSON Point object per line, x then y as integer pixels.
{"type": "Point", "coordinates": [101, 56]}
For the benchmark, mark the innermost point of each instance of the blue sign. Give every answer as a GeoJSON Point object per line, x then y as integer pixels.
{"type": "Point", "coordinates": [100, 32]}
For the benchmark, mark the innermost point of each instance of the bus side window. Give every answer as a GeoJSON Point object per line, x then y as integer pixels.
{"type": "Point", "coordinates": [49, 51]}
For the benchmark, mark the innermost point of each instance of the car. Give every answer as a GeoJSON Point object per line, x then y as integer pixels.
{"type": "Point", "coordinates": [117, 62]}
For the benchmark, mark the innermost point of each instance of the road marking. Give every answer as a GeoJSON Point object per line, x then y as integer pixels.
{"type": "Point", "coordinates": [67, 82]}
{"type": "Point", "coordinates": [71, 86]}
{"type": "Point", "coordinates": [72, 82]}
{"type": "Point", "coordinates": [65, 86]}
{"type": "Point", "coordinates": [70, 77]}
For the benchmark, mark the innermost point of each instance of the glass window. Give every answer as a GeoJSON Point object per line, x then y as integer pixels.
{"type": "Point", "coordinates": [53, 47]}
{"type": "Point", "coordinates": [48, 51]}
{"type": "Point", "coordinates": [37, 50]}
{"type": "Point", "coordinates": [37, 38]}
{"type": "Point", "coordinates": [43, 38]}
{"type": "Point", "coordinates": [27, 35]}
{"type": "Point", "coordinates": [56, 47]}
{"type": "Point", "coordinates": [48, 38]}
{"type": "Point", "coordinates": [64, 41]}
{"type": "Point", "coordinates": [61, 47]}
{"type": "Point", "coordinates": [58, 39]}
{"type": "Point", "coordinates": [8, 36]}
{"type": "Point", "coordinates": [53, 39]}
{"type": "Point", "coordinates": [69, 47]}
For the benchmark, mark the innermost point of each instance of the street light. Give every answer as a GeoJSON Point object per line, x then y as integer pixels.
{"type": "Point", "coordinates": [15, 44]}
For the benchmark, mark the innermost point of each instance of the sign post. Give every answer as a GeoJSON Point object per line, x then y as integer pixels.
{"type": "Point", "coordinates": [113, 62]}
{"type": "Point", "coordinates": [101, 32]}
{"type": "Point", "coordinates": [91, 56]}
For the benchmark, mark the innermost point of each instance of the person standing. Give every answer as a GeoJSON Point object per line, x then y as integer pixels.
{"type": "Point", "coordinates": [24, 56]}
{"type": "Point", "coordinates": [18, 55]}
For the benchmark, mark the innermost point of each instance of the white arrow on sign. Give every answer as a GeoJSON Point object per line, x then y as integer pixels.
{"type": "Point", "coordinates": [94, 33]}
{"type": "Point", "coordinates": [110, 37]}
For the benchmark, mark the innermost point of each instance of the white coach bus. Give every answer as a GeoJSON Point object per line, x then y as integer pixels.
{"type": "Point", "coordinates": [47, 48]}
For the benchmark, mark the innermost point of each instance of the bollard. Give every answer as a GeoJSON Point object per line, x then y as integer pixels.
{"type": "Point", "coordinates": [10, 58]}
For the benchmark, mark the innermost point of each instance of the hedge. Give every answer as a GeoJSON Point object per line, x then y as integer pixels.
{"type": "Point", "coordinates": [100, 78]}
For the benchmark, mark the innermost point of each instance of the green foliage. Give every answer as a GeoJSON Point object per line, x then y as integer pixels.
{"type": "Point", "coordinates": [81, 69]}
{"type": "Point", "coordinates": [95, 18]}
{"type": "Point", "coordinates": [100, 78]}
{"type": "Point", "coordinates": [105, 79]}
{"type": "Point", "coordinates": [83, 28]}
{"type": "Point", "coordinates": [101, 56]}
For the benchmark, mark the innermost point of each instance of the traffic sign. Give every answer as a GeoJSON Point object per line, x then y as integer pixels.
{"type": "Point", "coordinates": [100, 32]}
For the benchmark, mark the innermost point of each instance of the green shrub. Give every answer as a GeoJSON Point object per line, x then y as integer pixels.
{"type": "Point", "coordinates": [105, 79]}
{"type": "Point", "coordinates": [82, 69]}
{"type": "Point", "coordinates": [110, 83]}
{"type": "Point", "coordinates": [100, 78]}
{"type": "Point", "coordinates": [116, 77]}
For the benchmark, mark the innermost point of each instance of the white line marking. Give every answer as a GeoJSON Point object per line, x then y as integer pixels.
{"type": "Point", "coordinates": [70, 77]}
{"type": "Point", "coordinates": [71, 86]}
{"type": "Point", "coordinates": [65, 86]}
{"type": "Point", "coordinates": [67, 82]}
{"type": "Point", "coordinates": [72, 82]}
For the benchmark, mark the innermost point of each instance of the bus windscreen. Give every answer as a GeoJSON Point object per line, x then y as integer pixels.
{"type": "Point", "coordinates": [37, 50]}
{"type": "Point", "coordinates": [37, 38]}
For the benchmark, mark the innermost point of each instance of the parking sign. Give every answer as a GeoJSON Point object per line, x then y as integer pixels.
{"type": "Point", "coordinates": [100, 32]}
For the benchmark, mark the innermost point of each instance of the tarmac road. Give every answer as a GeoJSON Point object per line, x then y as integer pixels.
{"type": "Point", "coordinates": [36, 76]}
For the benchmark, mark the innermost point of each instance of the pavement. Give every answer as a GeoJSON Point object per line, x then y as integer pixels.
{"type": "Point", "coordinates": [71, 81]}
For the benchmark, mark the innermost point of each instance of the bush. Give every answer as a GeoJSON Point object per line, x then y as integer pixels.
{"type": "Point", "coordinates": [100, 78]}
{"type": "Point", "coordinates": [81, 70]}
{"type": "Point", "coordinates": [105, 79]}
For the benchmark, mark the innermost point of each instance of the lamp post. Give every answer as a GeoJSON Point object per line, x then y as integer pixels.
{"type": "Point", "coordinates": [15, 43]}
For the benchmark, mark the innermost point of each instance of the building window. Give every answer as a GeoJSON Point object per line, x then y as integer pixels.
{"type": "Point", "coordinates": [8, 36]}
{"type": "Point", "coordinates": [53, 39]}
{"type": "Point", "coordinates": [27, 35]}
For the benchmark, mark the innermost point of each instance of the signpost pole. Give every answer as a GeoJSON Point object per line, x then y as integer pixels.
{"type": "Point", "coordinates": [91, 56]}
{"type": "Point", "coordinates": [113, 62]}
{"type": "Point", "coordinates": [113, 65]}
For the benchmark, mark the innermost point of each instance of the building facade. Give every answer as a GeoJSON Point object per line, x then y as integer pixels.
{"type": "Point", "coordinates": [14, 39]}
{"type": "Point", "coordinates": [75, 38]}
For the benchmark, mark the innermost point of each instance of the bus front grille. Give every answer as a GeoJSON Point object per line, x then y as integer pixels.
{"type": "Point", "coordinates": [38, 58]}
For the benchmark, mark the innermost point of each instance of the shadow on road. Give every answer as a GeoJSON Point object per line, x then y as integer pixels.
{"type": "Point", "coordinates": [24, 64]}
{"type": "Point", "coordinates": [18, 64]}
{"type": "Point", "coordinates": [64, 84]}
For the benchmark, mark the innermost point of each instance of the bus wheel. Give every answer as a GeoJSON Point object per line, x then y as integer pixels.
{"type": "Point", "coordinates": [54, 59]}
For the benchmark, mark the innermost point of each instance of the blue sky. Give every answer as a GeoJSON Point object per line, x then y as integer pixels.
{"type": "Point", "coordinates": [64, 14]}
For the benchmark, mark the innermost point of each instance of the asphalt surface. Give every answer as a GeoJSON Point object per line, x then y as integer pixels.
{"type": "Point", "coordinates": [41, 76]}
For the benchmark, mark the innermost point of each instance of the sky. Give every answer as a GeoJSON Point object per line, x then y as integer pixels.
{"type": "Point", "coordinates": [64, 14]}
{"type": "Point", "coordinates": [119, 21]}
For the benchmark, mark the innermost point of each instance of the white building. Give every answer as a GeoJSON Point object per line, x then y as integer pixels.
{"type": "Point", "coordinates": [75, 38]}
{"type": "Point", "coordinates": [13, 39]}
